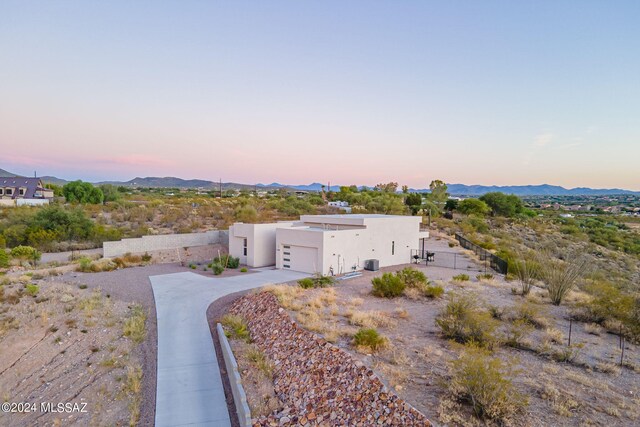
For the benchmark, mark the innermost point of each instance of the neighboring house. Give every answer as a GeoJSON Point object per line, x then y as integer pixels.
{"type": "Point", "coordinates": [327, 244]}
{"type": "Point", "coordinates": [19, 191]}
{"type": "Point", "coordinates": [344, 206]}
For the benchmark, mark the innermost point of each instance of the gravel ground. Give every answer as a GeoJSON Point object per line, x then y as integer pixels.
{"type": "Point", "coordinates": [132, 285]}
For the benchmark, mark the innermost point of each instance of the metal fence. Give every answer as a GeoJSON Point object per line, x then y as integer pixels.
{"type": "Point", "coordinates": [495, 262]}
{"type": "Point", "coordinates": [447, 259]}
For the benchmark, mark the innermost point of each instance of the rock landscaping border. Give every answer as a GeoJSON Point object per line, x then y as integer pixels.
{"type": "Point", "coordinates": [318, 383]}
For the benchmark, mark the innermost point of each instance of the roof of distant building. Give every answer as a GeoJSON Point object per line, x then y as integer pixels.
{"type": "Point", "coordinates": [31, 185]}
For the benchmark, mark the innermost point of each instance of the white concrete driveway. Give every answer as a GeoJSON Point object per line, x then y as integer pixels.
{"type": "Point", "coordinates": [189, 388]}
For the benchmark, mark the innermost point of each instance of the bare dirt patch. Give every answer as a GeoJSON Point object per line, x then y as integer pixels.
{"type": "Point", "coordinates": [62, 344]}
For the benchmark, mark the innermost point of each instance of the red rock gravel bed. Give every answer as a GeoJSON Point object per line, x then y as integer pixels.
{"type": "Point", "coordinates": [318, 383]}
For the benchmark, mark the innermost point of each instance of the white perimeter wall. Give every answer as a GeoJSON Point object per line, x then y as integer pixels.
{"type": "Point", "coordinates": [163, 242]}
{"type": "Point", "coordinates": [32, 202]}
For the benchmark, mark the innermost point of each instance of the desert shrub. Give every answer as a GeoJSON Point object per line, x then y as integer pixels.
{"type": "Point", "coordinates": [146, 257]}
{"type": "Point", "coordinates": [529, 313]}
{"type": "Point", "coordinates": [412, 278]}
{"type": "Point", "coordinates": [464, 320]}
{"type": "Point", "coordinates": [461, 277]}
{"type": "Point", "coordinates": [485, 276]}
{"type": "Point", "coordinates": [306, 283]}
{"type": "Point", "coordinates": [608, 302]}
{"type": "Point", "coordinates": [25, 253]}
{"type": "Point", "coordinates": [243, 270]}
{"type": "Point", "coordinates": [526, 272]}
{"type": "Point", "coordinates": [433, 291]}
{"type": "Point", "coordinates": [132, 259]}
{"type": "Point", "coordinates": [227, 261]}
{"type": "Point", "coordinates": [388, 285]}
{"type": "Point", "coordinates": [193, 266]}
{"type": "Point", "coordinates": [84, 264]}
{"type": "Point", "coordinates": [134, 326]}
{"type": "Point", "coordinates": [517, 332]}
{"type": "Point", "coordinates": [567, 354]}
{"type": "Point", "coordinates": [485, 382]}
{"type": "Point", "coordinates": [235, 327]}
{"type": "Point", "coordinates": [561, 276]}
{"type": "Point", "coordinates": [32, 289]}
{"type": "Point", "coordinates": [217, 268]}
{"type": "Point", "coordinates": [370, 338]}
{"type": "Point", "coordinates": [317, 281]}
{"type": "Point", "coordinates": [4, 258]}
{"type": "Point", "coordinates": [497, 312]}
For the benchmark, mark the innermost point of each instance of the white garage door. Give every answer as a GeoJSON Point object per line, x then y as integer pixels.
{"type": "Point", "coordinates": [300, 258]}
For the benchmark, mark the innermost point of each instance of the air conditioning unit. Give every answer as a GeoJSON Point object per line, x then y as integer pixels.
{"type": "Point", "coordinates": [372, 265]}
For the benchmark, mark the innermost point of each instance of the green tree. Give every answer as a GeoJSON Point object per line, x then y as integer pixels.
{"type": "Point", "coordinates": [451, 205]}
{"type": "Point", "coordinates": [390, 187]}
{"type": "Point", "coordinates": [473, 207]}
{"type": "Point", "coordinates": [507, 205]}
{"type": "Point", "coordinates": [82, 192]}
{"type": "Point", "coordinates": [438, 195]}
{"type": "Point", "coordinates": [414, 201]}
{"type": "Point", "coordinates": [110, 192]}
{"type": "Point", "coordinates": [57, 189]}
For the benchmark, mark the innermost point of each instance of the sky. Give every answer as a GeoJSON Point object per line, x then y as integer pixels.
{"type": "Point", "coordinates": [357, 92]}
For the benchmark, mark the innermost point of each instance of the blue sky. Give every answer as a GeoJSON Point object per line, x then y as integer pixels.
{"type": "Point", "coordinates": [491, 92]}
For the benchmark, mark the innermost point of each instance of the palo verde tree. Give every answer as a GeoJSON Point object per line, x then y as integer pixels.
{"type": "Point", "coordinates": [507, 205]}
{"type": "Point", "coordinates": [438, 195]}
{"type": "Point", "coordinates": [473, 207]}
{"type": "Point", "coordinates": [82, 192]}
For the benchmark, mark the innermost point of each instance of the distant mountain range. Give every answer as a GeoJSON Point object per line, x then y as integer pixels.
{"type": "Point", "coordinates": [454, 189]}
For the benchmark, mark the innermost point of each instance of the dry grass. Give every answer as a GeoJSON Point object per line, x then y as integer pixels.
{"type": "Point", "coordinates": [593, 329]}
{"type": "Point", "coordinates": [287, 295]}
{"type": "Point", "coordinates": [563, 403]}
{"type": "Point", "coordinates": [400, 313]}
{"type": "Point", "coordinates": [134, 326]}
{"type": "Point", "coordinates": [608, 368]}
{"type": "Point", "coordinates": [133, 387]}
{"type": "Point", "coordinates": [553, 335]}
{"type": "Point", "coordinates": [356, 302]}
{"type": "Point", "coordinates": [370, 319]}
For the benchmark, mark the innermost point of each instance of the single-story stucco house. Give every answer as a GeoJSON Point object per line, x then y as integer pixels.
{"type": "Point", "coordinates": [328, 244]}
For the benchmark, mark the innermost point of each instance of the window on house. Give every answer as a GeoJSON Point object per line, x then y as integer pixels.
{"type": "Point", "coordinates": [22, 191]}
{"type": "Point", "coordinates": [286, 266]}
{"type": "Point", "coordinates": [244, 247]}
{"type": "Point", "coordinates": [9, 191]}
{"type": "Point", "coordinates": [1, 191]}
{"type": "Point", "coordinates": [393, 247]}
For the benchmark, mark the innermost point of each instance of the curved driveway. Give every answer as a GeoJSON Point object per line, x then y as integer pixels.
{"type": "Point", "coordinates": [189, 388]}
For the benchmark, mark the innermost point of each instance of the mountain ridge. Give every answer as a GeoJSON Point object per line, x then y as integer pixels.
{"type": "Point", "coordinates": [453, 189]}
